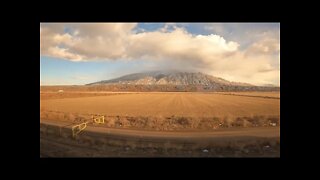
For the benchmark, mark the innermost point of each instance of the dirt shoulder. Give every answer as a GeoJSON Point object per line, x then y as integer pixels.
{"type": "Point", "coordinates": [230, 132]}
{"type": "Point", "coordinates": [112, 142]}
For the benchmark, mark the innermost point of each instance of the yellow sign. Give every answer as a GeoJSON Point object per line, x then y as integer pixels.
{"type": "Point", "coordinates": [98, 120]}
{"type": "Point", "coordinates": [78, 128]}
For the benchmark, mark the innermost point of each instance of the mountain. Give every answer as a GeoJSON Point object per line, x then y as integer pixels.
{"type": "Point", "coordinates": [175, 81]}
{"type": "Point", "coordinates": [170, 78]}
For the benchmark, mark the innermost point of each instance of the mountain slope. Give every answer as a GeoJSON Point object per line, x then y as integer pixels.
{"type": "Point", "coordinates": [171, 78]}
{"type": "Point", "coordinates": [171, 81]}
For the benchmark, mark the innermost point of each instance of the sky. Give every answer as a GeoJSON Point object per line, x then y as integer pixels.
{"type": "Point", "coordinates": [81, 53]}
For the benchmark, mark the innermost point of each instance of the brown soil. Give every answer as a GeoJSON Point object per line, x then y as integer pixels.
{"type": "Point", "coordinates": [237, 124]}
{"type": "Point", "coordinates": [56, 141]}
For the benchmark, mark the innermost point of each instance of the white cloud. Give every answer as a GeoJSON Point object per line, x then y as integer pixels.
{"type": "Point", "coordinates": [266, 45]}
{"type": "Point", "coordinates": [119, 41]}
{"type": "Point", "coordinates": [64, 53]}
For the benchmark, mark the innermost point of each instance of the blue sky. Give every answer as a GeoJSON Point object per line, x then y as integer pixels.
{"type": "Point", "coordinates": [57, 71]}
{"type": "Point", "coordinates": [77, 54]}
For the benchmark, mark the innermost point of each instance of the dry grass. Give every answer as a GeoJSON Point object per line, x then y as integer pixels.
{"type": "Point", "coordinates": [275, 94]}
{"type": "Point", "coordinates": [168, 123]}
{"type": "Point", "coordinates": [166, 111]}
{"type": "Point", "coordinates": [160, 112]}
{"type": "Point", "coordinates": [63, 95]}
{"type": "Point", "coordinates": [166, 104]}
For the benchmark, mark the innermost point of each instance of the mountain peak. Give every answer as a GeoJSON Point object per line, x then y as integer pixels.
{"type": "Point", "coordinates": [171, 77]}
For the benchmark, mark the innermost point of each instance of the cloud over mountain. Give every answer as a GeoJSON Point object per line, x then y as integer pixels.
{"type": "Point", "coordinates": [171, 45]}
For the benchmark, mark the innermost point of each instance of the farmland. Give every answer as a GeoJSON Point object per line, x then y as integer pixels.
{"type": "Point", "coordinates": [216, 116]}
